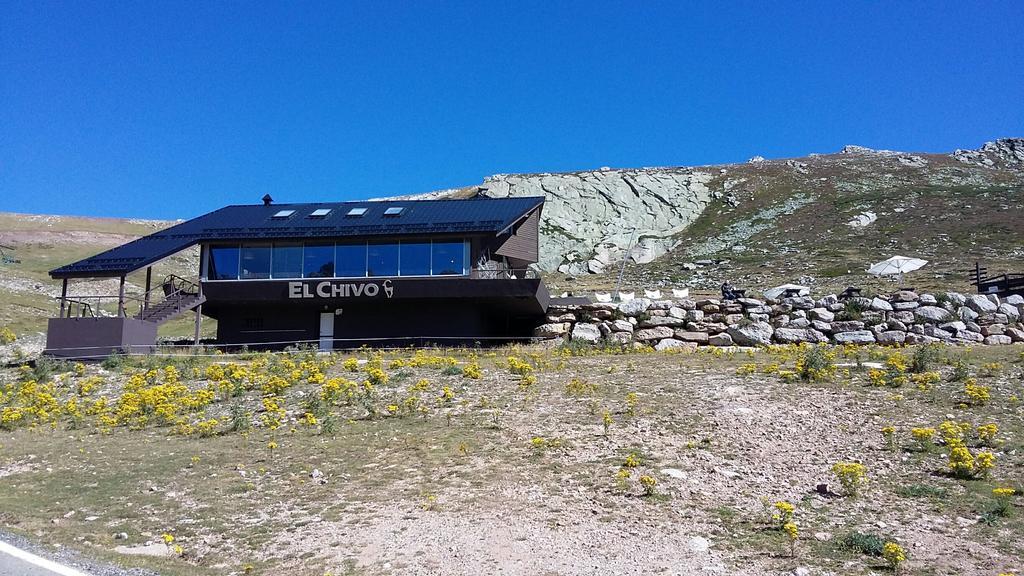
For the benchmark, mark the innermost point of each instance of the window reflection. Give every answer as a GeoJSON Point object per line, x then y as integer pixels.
{"type": "Point", "coordinates": [415, 259]}
{"type": "Point", "coordinates": [223, 263]}
{"type": "Point", "coordinates": [255, 261]}
{"type": "Point", "coordinates": [318, 261]}
{"type": "Point", "coordinates": [449, 258]}
{"type": "Point", "coordinates": [287, 260]}
{"type": "Point", "coordinates": [351, 260]}
{"type": "Point", "coordinates": [382, 260]}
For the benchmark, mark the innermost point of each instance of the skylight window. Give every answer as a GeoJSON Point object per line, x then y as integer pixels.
{"type": "Point", "coordinates": [320, 213]}
{"type": "Point", "coordinates": [283, 214]}
{"type": "Point", "coordinates": [357, 212]}
{"type": "Point", "coordinates": [394, 211]}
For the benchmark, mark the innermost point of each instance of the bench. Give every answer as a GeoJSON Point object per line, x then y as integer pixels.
{"type": "Point", "coordinates": [850, 292]}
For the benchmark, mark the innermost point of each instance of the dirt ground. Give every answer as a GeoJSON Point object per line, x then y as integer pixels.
{"type": "Point", "coordinates": [502, 475]}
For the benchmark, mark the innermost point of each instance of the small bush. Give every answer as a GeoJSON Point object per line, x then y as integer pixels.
{"type": "Point", "coordinates": [867, 544]}
{"type": "Point", "coordinates": [924, 358]}
{"type": "Point", "coordinates": [7, 336]}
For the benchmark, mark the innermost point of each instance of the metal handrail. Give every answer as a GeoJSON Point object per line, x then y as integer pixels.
{"type": "Point", "coordinates": [82, 309]}
{"type": "Point", "coordinates": [505, 273]}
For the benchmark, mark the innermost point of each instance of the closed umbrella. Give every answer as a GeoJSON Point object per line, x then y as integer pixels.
{"type": "Point", "coordinates": [898, 265]}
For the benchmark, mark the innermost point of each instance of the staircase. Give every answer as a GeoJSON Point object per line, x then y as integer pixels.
{"type": "Point", "coordinates": [180, 296]}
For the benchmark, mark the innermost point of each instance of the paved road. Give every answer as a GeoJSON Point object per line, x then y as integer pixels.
{"type": "Point", "coordinates": [17, 562]}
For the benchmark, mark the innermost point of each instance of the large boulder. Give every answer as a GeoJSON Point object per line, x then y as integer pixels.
{"type": "Point", "coordinates": [798, 335]}
{"type": "Point", "coordinates": [753, 334]}
{"type": "Point", "coordinates": [855, 337]}
{"type": "Point", "coordinates": [668, 343]}
{"type": "Point", "coordinates": [620, 338]}
{"type": "Point", "coordinates": [551, 330]}
{"type": "Point", "coordinates": [904, 296]}
{"type": "Point", "coordinates": [1011, 311]}
{"type": "Point", "coordinates": [586, 332]}
{"type": "Point", "coordinates": [661, 321]}
{"type": "Point", "coordinates": [635, 306]}
{"type": "Point", "coordinates": [880, 305]}
{"type": "Point", "coordinates": [981, 304]}
{"type": "Point", "coordinates": [1015, 334]}
{"type": "Point", "coordinates": [998, 340]}
{"type": "Point", "coordinates": [932, 314]}
{"type": "Point", "coordinates": [657, 333]}
{"type": "Point", "coordinates": [821, 314]}
{"type": "Point", "coordinates": [1014, 300]}
{"type": "Point", "coordinates": [968, 336]}
{"type": "Point", "coordinates": [622, 326]}
{"type": "Point", "coordinates": [956, 298]}
{"type": "Point", "coordinates": [687, 336]}
{"type": "Point", "coordinates": [891, 337]}
{"type": "Point", "coordinates": [847, 326]}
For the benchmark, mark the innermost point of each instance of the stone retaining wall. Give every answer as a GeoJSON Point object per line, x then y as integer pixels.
{"type": "Point", "coordinates": [901, 318]}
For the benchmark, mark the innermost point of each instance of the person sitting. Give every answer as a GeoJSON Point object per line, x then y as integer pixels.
{"type": "Point", "coordinates": [728, 292]}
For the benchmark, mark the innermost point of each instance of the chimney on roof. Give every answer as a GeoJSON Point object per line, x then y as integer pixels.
{"type": "Point", "coordinates": [267, 200]}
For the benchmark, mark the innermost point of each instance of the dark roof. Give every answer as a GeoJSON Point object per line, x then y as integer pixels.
{"type": "Point", "coordinates": [257, 222]}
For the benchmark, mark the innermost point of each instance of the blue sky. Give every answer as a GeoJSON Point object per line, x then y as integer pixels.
{"type": "Point", "coordinates": [172, 109]}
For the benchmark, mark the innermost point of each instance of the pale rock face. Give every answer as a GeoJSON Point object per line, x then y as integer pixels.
{"type": "Point", "coordinates": [753, 334]}
{"type": "Point", "coordinates": [880, 305]}
{"type": "Point", "coordinates": [855, 337]}
{"type": "Point", "coordinates": [593, 214]}
{"type": "Point", "coordinates": [981, 304]}
{"type": "Point", "coordinates": [932, 314]}
{"type": "Point", "coordinates": [863, 220]}
{"type": "Point", "coordinates": [622, 326]}
{"type": "Point", "coordinates": [892, 337]}
{"type": "Point", "coordinates": [998, 340]}
{"type": "Point", "coordinates": [585, 332]}
{"type": "Point", "coordinates": [673, 343]}
{"type": "Point", "coordinates": [798, 335]}
{"type": "Point", "coordinates": [1009, 310]}
{"type": "Point", "coordinates": [658, 333]}
{"type": "Point", "coordinates": [552, 329]}
{"type": "Point", "coordinates": [634, 306]}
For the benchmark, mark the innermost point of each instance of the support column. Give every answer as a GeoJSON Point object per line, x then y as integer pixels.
{"type": "Point", "coordinates": [199, 322]}
{"type": "Point", "coordinates": [149, 282]}
{"type": "Point", "coordinates": [64, 298]}
{"type": "Point", "coordinates": [120, 299]}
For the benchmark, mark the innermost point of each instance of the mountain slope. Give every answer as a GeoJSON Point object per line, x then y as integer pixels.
{"type": "Point", "coordinates": [819, 220]}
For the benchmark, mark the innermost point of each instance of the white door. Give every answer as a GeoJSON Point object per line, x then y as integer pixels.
{"type": "Point", "coordinates": [326, 331]}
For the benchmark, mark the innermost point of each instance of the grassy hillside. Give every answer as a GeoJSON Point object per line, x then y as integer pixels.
{"type": "Point", "coordinates": [787, 221]}
{"type": "Point", "coordinates": [42, 243]}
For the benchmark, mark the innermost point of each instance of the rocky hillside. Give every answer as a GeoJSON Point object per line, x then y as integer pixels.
{"type": "Point", "coordinates": [820, 219]}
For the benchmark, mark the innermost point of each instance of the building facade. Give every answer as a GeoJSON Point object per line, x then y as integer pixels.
{"type": "Point", "coordinates": [332, 274]}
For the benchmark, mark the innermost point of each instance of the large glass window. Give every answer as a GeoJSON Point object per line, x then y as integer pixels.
{"type": "Point", "coordinates": [415, 259]}
{"type": "Point", "coordinates": [223, 264]}
{"type": "Point", "coordinates": [255, 261]}
{"type": "Point", "coordinates": [351, 260]}
{"type": "Point", "coordinates": [318, 261]}
{"type": "Point", "coordinates": [287, 260]}
{"type": "Point", "coordinates": [382, 260]}
{"type": "Point", "coordinates": [449, 258]}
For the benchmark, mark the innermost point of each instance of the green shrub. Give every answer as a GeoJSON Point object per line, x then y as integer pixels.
{"type": "Point", "coordinates": [868, 544]}
{"type": "Point", "coordinates": [924, 358]}
{"type": "Point", "coordinates": [7, 336]}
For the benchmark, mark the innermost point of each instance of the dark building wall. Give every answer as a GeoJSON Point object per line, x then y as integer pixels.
{"type": "Point", "coordinates": [522, 243]}
{"type": "Point", "coordinates": [97, 338]}
{"type": "Point", "coordinates": [389, 323]}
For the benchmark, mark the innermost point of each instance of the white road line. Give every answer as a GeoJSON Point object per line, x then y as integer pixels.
{"type": "Point", "coordinates": [43, 563]}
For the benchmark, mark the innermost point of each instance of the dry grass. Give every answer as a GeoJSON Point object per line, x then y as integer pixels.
{"type": "Point", "coordinates": [462, 489]}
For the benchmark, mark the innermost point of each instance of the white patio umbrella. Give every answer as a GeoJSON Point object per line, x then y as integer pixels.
{"type": "Point", "coordinates": [898, 265]}
{"type": "Point", "coordinates": [774, 293]}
